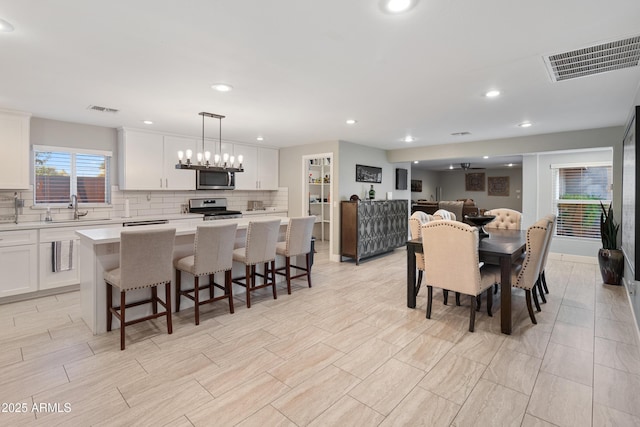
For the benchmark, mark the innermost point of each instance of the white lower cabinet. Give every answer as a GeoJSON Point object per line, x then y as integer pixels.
{"type": "Point", "coordinates": [49, 278]}
{"type": "Point", "coordinates": [18, 262]}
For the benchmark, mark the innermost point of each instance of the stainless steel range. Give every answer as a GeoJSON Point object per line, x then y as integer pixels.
{"type": "Point", "coordinates": [213, 208]}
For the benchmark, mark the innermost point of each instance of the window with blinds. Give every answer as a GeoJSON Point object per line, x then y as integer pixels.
{"type": "Point", "coordinates": [59, 174]}
{"type": "Point", "coordinates": [578, 191]}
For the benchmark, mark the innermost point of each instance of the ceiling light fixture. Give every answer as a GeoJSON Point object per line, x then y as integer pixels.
{"type": "Point", "coordinates": [397, 6]}
{"type": "Point", "coordinates": [5, 26]}
{"type": "Point", "coordinates": [415, 162]}
{"type": "Point", "coordinates": [450, 167]}
{"type": "Point", "coordinates": [221, 87]}
{"type": "Point", "coordinates": [147, 122]}
{"type": "Point", "coordinates": [260, 138]}
{"type": "Point", "coordinates": [525, 124]}
{"type": "Point", "coordinates": [221, 161]}
{"type": "Point", "coordinates": [351, 121]}
{"type": "Point", "coordinates": [409, 138]}
{"type": "Point", "coordinates": [492, 93]}
{"type": "Point", "coordinates": [485, 157]}
{"type": "Point", "coordinates": [510, 165]}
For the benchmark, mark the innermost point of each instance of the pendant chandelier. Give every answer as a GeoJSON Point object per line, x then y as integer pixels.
{"type": "Point", "coordinates": [222, 162]}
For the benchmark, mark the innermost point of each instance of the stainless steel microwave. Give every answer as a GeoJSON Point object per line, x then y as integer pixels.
{"type": "Point", "coordinates": [215, 180]}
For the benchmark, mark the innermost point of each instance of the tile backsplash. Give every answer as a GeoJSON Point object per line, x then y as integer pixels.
{"type": "Point", "coordinates": [141, 203]}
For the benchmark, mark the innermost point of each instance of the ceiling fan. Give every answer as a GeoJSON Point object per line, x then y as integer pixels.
{"type": "Point", "coordinates": [466, 167]}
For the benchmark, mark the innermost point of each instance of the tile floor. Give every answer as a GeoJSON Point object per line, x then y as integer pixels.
{"type": "Point", "coordinates": [347, 352]}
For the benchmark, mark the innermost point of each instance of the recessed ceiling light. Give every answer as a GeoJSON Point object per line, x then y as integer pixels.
{"type": "Point", "coordinates": [260, 138]}
{"type": "Point", "coordinates": [397, 6]}
{"type": "Point", "coordinates": [485, 157]}
{"type": "Point", "coordinates": [351, 121]}
{"type": "Point", "coordinates": [415, 162]}
{"type": "Point", "coordinates": [147, 122]}
{"type": "Point", "coordinates": [409, 138]}
{"type": "Point", "coordinates": [5, 27]}
{"type": "Point", "coordinates": [492, 93]}
{"type": "Point", "coordinates": [451, 167]}
{"type": "Point", "coordinates": [221, 87]}
{"type": "Point", "coordinates": [510, 165]}
{"type": "Point", "coordinates": [525, 124]}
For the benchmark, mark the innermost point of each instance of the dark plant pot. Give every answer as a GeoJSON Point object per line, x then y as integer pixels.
{"type": "Point", "coordinates": [611, 265]}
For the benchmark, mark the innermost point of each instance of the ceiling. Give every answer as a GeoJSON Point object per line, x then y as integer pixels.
{"type": "Point", "coordinates": [498, 162]}
{"type": "Point", "coordinates": [300, 68]}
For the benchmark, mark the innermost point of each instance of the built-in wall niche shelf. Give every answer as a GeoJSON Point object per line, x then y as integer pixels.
{"type": "Point", "coordinates": [318, 190]}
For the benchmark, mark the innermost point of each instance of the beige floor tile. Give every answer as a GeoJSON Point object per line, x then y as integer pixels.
{"type": "Point", "coordinates": [295, 322]}
{"type": "Point", "coordinates": [614, 312]}
{"type": "Point", "coordinates": [616, 389]}
{"type": "Point", "coordinates": [387, 386]}
{"type": "Point", "coordinates": [220, 380]}
{"type": "Point", "coordinates": [298, 341]}
{"type": "Point", "coordinates": [453, 378]}
{"type": "Point", "coordinates": [348, 412]}
{"type": "Point", "coordinates": [97, 407]}
{"type": "Point", "coordinates": [560, 401]}
{"type": "Point", "coordinates": [339, 321]}
{"type": "Point", "coordinates": [617, 355]}
{"type": "Point", "coordinates": [604, 416]}
{"type": "Point", "coordinates": [238, 403]}
{"type": "Point", "coordinates": [352, 337]}
{"type": "Point", "coordinates": [235, 351]}
{"type": "Point", "coordinates": [514, 370]}
{"type": "Point", "coordinates": [10, 356]}
{"type": "Point", "coordinates": [569, 363]}
{"type": "Point", "coordinates": [179, 422]}
{"type": "Point", "coordinates": [479, 346]}
{"type": "Point", "coordinates": [267, 416]}
{"type": "Point", "coordinates": [368, 357]}
{"type": "Point", "coordinates": [572, 336]}
{"type": "Point", "coordinates": [530, 341]}
{"type": "Point", "coordinates": [614, 330]}
{"type": "Point", "coordinates": [531, 421]}
{"type": "Point", "coordinates": [576, 316]}
{"type": "Point", "coordinates": [403, 332]}
{"type": "Point", "coordinates": [424, 352]}
{"type": "Point", "coordinates": [491, 404]}
{"type": "Point", "coordinates": [422, 408]}
{"type": "Point", "coordinates": [305, 364]}
{"type": "Point", "coordinates": [311, 398]}
{"type": "Point", "coordinates": [611, 294]}
{"type": "Point", "coordinates": [32, 384]}
{"type": "Point", "coordinates": [450, 326]}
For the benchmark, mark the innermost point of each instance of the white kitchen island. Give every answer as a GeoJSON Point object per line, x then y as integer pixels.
{"type": "Point", "coordinates": [100, 251]}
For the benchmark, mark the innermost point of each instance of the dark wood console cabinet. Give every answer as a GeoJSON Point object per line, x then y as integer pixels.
{"type": "Point", "coordinates": [370, 228]}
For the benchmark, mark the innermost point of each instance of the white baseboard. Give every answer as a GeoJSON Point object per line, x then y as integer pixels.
{"type": "Point", "coordinates": [574, 258]}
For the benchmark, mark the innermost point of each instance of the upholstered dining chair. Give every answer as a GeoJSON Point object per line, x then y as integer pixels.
{"type": "Point", "coordinates": [260, 248]}
{"type": "Point", "coordinates": [506, 219]}
{"type": "Point", "coordinates": [525, 275]}
{"type": "Point", "coordinates": [542, 280]}
{"type": "Point", "coordinates": [441, 214]}
{"type": "Point", "coordinates": [444, 241]}
{"type": "Point", "coordinates": [416, 221]}
{"type": "Point", "coordinates": [297, 242]}
{"type": "Point", "coordinates": [212, 253]}
{"type": "Point", "coordinates": [145, 262]}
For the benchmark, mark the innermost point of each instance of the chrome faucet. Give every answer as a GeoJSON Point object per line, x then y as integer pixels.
{"type": "Point", "coordinates": [74, 205]}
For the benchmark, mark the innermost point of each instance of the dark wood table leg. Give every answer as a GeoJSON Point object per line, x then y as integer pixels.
{"type": "Point", "coordinates": [505, 294]}
{"type": "Point", "coordinates": [411, 277]}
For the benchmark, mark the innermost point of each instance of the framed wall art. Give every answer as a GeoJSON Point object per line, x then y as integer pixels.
{"type": "Point", "coordinates": [498, 186]}
{"type": "Point", "coordinates": [416, 185]}
{"type": "Point", "coordinates": [371, 174]}
{"type": "Point", "coordinates": [474, 181]}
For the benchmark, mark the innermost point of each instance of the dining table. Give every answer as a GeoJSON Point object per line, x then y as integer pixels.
{"type": "Point", "coordinates": [500, 247]}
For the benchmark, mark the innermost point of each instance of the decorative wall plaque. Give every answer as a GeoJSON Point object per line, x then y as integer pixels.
{"type": "Point", "coordinates": [498, 186]}
{"type": "Point", "coordinates": [474, 181]}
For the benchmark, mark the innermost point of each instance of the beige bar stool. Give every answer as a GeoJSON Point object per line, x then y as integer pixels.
{"type": "Point", "coordinates": [212, 253]}
{"type": "Point", "coordinates": [145, 262]}
{"type": "Point", "coordinates": [260, 247]}
{"type": "Point", "coordinates": [297, 242]}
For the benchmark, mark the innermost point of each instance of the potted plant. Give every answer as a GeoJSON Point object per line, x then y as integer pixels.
{"type": "Point", "coordinates": [610, 258]}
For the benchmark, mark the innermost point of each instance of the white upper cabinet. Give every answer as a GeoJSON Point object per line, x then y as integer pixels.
{"type": "Point", "coordinates": [14, 145]}
{"type": "Point", "coordinates": [147, 161]}
{"type": "Point", "coordinates": [260, 168]}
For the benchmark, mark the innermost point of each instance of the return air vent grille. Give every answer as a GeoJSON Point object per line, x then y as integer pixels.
{"type": "Point", "coordinates": [102, 109]}
{"type": "Point", "coordinates": [591, 60]}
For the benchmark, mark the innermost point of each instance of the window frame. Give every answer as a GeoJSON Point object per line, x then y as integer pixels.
{"type": "Point", "coordinates": [555, 200]}
{"type": "Point", "coordinates": [73, 175]}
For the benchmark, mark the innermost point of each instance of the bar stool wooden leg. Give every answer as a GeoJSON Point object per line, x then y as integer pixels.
{"type": "Point", "coordinates": [178, 289]}
{"type": "Point", "coordinates": [308, 259]}
{"type": "Point", "coordinates": [167, 287]}
{"type": "Point", "coordinates": [122, 319]}
{"type": "Point", "coordinates": [273, 279]}
{"type": "Point", "coordinates": [109, 306]}
{"type": "Point", "coordinates": [154, 300]}
{"type": "Point", "coordinates": [229, 288]}
{"type": "Point", "coordinates": [196, 298]}
{"type": "Point", "coordinates": [248, 274]}
{"type": "Point", "coordinates": [211, 281]}
{"type": "Point", "coordinates": [288, 273]}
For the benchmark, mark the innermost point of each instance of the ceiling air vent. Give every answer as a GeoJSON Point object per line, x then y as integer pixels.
{"type": "Point", "coordinates": [594, 59]}
{"type": "Point", "coordinates": [102, 109]}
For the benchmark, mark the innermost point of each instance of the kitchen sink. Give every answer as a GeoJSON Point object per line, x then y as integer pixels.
{"type": "Point", "coordinates": [80, 220]}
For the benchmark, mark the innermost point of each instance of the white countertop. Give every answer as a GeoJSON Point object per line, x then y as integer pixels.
{"type": "Point", "coordinates": [267, 211]}
{"type": "Point", "coordinates": [98, 236]}
{"type": "Point", "coordinates": [93, 221]}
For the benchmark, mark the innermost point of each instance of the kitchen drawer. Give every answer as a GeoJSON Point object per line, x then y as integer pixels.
{"type": "Point", "coordinates": [18, 237]}
{"type": "Point", "coordinates": [53, 235]}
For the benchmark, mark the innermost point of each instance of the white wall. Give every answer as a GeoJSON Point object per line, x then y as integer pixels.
{"type": "Point", "coordinates": [429, 184]}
